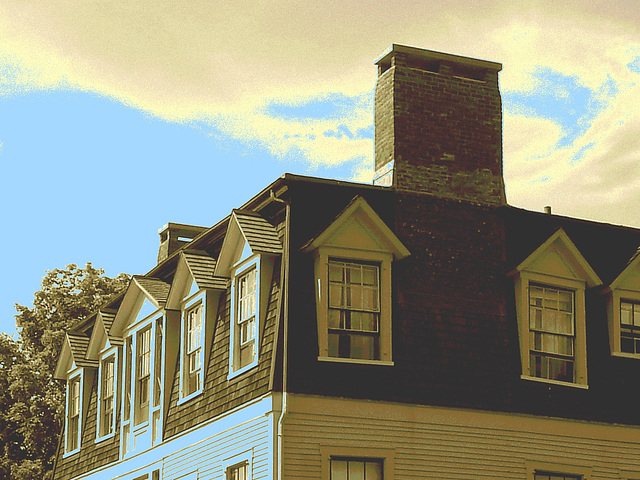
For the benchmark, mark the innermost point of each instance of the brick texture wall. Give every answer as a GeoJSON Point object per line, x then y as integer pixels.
{"type": "Point", "coordinates": [440, 121]}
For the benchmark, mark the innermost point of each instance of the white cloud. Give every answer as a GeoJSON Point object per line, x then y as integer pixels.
{"type": "Point", "coordinates": [185, 61]}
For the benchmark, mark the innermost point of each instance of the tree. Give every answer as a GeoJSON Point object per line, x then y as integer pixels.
{"type": "Point", "coordinates": [31, 401]}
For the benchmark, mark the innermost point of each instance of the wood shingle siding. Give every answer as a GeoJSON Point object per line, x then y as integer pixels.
{"type": "Point", "coordinates": [91, 455]}
{"type": "Point", "coordinates": [221, 394]}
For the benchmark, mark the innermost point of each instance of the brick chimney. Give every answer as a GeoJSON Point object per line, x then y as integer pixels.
{"type": "Point", "coordinates": [438, 125]}
{"type": "Point", "coordinates": [174, 236]}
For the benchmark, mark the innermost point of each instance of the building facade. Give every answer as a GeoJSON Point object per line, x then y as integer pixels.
{"type": "Point", "coordinates": [416, 328]}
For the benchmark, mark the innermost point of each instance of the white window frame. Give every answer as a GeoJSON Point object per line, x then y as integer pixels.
{"type": "Point", "coordinates": [244, 458]}
{"type": "Point", "coordinates": [130, 429]}
{"type": "Point", "coordinates": [191, 303]}
{"type": "Point", "coordinates": [346, 312]}
{"type": "Point", "coordinates": [108, 354]}
{"type": "Point", "coordinates": [525, 280]}
{"type": "Point", "coordinates": [321, 266]}
{"type": "Point", "coordinates": [385, 455]}
{"type": "Point", "coordinates": [77, 375]}
{"type": "Point", "coordinates": [238, 272]}
{"type": "Point", "coordinates": [616, 296]}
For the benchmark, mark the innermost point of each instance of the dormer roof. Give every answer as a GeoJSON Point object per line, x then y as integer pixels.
{"type": "Point", "coordinates": [629, 278]}
{"type": "Point", "coordinates": [100, 334]}
{"type": "Point", "coordinates": [360, 226]}
{"type": "Point", "coordinates": [156, 290]}
{"type": "Point", "coordinates": [202, 268]}
{"type": "Point", "coordinates": [73, 352]}
{"type": "Point", "coordinates": [246, 230]}
{"type": "Point", "coordinates": [195, 271]}
{"type": "Point", "coordinates": [141, 291]}
{"type": "Point", "coordinates": [558, 256]}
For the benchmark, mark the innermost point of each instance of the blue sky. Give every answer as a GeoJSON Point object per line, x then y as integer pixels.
{"type": "Point", "coordinates": [108, 132]}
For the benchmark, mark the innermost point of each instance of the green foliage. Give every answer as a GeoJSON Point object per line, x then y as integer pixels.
{"type": "Point", "coordinates": [31, 401]}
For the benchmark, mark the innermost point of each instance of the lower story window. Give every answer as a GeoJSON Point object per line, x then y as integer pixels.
{"type": "Point", "coordinates": [238, 472]}
{"type": "Point", "coordinates": [551, 333]}
{"type": "Point", "coordinates": [356, 469]}
{"type": "Point", "coordinates": [555, 476]}
{"type": "Point", "coordinates": [354, 310]}
{"type": "Point", "coordinates": [629, 326]}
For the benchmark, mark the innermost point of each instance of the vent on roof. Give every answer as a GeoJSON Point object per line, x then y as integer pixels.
{"type": "Point", "coordinates": [426, 65]}
{"type": "Point", "coordinates": [174, 236]}
{"type": "Point", "coordinates": [471, 73]}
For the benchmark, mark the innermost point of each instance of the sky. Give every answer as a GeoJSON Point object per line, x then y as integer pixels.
{"type": "Point", "coordinates": [118, 117]}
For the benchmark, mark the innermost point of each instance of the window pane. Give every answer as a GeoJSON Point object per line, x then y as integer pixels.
{"type": "Point", "coordinates": [238, 472]}
{"type": "Point", "coordinates": [127, 380]}
{"type": "Point", "coordinates": [333, 344]}
{"type": "Point", "coordinates": [356, 470]}
{"type": "Point", "coordinates": [374, 471]}
{"type": "Point", "coordinates": [336, 296]}
{"type": "Point", "coordinates": [354, 303]}
{"type": "Point", "coordinates": [338, 470]}
{"type": "Point", "coordinates": [157, 363]}
{"type": "Point", "coordinates": [626, 313]}
{"type": "Point", "coordinates": [370, 275]}
{"type": "Point", "coordinates": [336, 272]}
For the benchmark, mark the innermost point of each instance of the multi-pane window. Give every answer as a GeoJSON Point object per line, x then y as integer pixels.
{"type": "Point", "coordinates": [355, 469]}
{"type": "Point", "coordinates": [107, 395]}
{"type": "Point", "coordinates": [143, 375]}
{"type": "Point", "coordinates": [354, 310]}
{"type": "Point", "coordinates": [629, 326]}
{"type": "Point", "coordinates": [157, 381]}
{"type": "Point", "coordinates": [238, 472]}
{"type": "Point", "coordinates": [551, 333]}
{"type": "Point", "coordinates": [246, 318]}
{"type": "Point", "coordinates": [554, 476]}
{"type": "Point", "coordinates": [192, 369]}
{"type": "Point", "coordinates": [73, 414]}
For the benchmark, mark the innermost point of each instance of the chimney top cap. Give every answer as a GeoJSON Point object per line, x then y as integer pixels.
{"type": "Point", "coordinates": [385, 58]}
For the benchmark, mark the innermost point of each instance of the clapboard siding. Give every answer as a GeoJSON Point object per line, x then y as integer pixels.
{"type": "Point", "coordinates": [437, 443]}
{"type": "Point", "coordinates": [208, 457]}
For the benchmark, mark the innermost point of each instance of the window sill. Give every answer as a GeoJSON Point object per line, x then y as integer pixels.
{"type": "Point", "coordinates": [140, 426]}
{"type": "Point", "coordinates": [246, 368]}
{"type": "Point", "coordinates": [555, 382]}
{"type": "Point", "coordinates": [106, 437]}
{"type": "Point", "coordinates": [625, 355]}
{"type": "Point", "coordinates": [189, 397]}
{"type": "Point", "coordinates": [384, 363]}
{"type": "Point", "coordinates": [72, 452]}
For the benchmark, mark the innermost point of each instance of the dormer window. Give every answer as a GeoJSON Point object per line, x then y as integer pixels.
{"type": "Point", "coordinates": [550, 287]}
{"type": "Point", "coordinates": [623, 310]}
{"type": "Point", "coordinates": [143, 376]}
{"type": "Point", "coordinates": [248, 254]}
{"type": "Point", "coordinates": [353, 258]}
{"type": "Point", "coordinates": [246, 319]}
{"type": "Point", "coordinates": [353, 319]}
{"type": "Point", "coordinates": [246, 298]}
{"type": "Point", "coordinates": [74, 405]}
{"type": "Point", "coordinates": [106, 402]}
{"type": "Point", "coordinates": [552, 333]}
{"type": "Point", "coordinates": [192, 358]}
{"type": "Point", "coordinates": [629, 327]}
